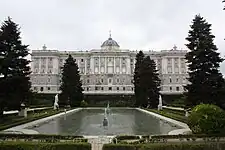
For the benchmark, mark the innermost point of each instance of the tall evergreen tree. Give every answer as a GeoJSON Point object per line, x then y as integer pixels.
{"type": "Point", "coordinates": [150, 83]}
{"type": "Point", "coordinates": [15, 81]}
{"type": "Point", "coordinates": [206, 82]}
{"type": "Point", "coordinates": [71, 86]}
{"type": "Point", "coordinates": [137, 87]}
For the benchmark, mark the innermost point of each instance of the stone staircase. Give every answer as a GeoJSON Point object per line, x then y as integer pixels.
{"type": "Point", "coordinates": [97, 142]}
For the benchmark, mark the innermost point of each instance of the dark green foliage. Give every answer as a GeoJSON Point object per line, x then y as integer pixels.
{"type": "Point", "coordinates": [150, 83]}
{"type": "Point", "coordinates": [160, 146]}
{"type": "Point", "coordinates": [71, 87]}
{"type": "Point", "coordinates": [184, 146]}
{"type": "Point", "coordinates": [146, 82]}
{"type": "Point", "coordinates": [43, 146]}
{"type": "Point", "coordinates": [206, 82]}
{"type": "Point", "coordinates": [127, 137]}
{"type": "Point", "coordinates": [118, 147]}
{"type": "Point", "coordinates": [207, 119]}
{"type": "Point", "coordinates": [137, 77]}
{"type": "Point", "coordinates": [40, 136]}
{"type": "Point", "coordinates": [15, 83]}
{"type": "Point", "coordinates": [83, 103]}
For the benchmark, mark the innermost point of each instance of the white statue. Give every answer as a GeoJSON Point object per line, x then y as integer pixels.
{"type": "Point", "coordinates": [160, 103]}
{"type": "Point", "coordinates": [56, 105]}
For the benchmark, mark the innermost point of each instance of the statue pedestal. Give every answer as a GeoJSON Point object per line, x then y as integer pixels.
{"type": "Point", "coordinates": [159, 107]}
{"type": "Point", "coordinates": [187, 114]}
{"type": "Point", "coordinates": [23, 112]}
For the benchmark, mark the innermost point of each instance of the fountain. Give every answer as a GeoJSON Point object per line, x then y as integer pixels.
{"type": "Point", "coordinates": [107, 109]}
{"type": "Point", "coordinates": [105, 120]}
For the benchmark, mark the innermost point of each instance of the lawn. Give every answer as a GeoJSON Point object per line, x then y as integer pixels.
{"type": "Point", "coordinates": [15, 120]}
{"type": "Point", "coordinates": [173, 114]}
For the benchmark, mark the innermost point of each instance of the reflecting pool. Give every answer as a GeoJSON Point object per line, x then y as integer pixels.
{"type": "Point", "coordinates": [120, 121]}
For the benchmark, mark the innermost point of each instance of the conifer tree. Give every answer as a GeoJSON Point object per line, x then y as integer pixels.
{"type": "Point", "coordinates": [150, 83]}
{"type": "Point", "coordinates": [15, 81]}
{"type": "Point", "coordinates": [71, 87]}
{"type": "Point", "coordinates": [137, 86]}
{"type": "Point", "coordinates": [205, 80]}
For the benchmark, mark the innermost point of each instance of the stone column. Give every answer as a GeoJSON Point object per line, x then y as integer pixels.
{"type": "Point", "coordinates": [120, 65]}
{"type": "Point", "coordinates": [179, 65]}
{"type": "Point", "coordinates": [85, 66]}
{"type": "Point", "coordinates": [92, 65]}
{"type": "Point", "coordinates": [114, 63]}
{"type": "Point", "coordinates": [106, 64]}
{"type": "Point", "coordinates": [99, 65]}
{"type": "Point", "coordinates": [128, 66]}
{"type": "Point", "coordinates": [173, 67]}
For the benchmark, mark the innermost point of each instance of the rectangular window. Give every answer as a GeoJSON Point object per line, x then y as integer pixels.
{"type": "Point", "coordinates": [49, 88]}
{"type": "Point", "coordinates": [124, 88]}
{"type": "Point", "coordinates": [110, 88]}
{"type": "Point", "coordinates": [117, 88]}
{"type": "Point", "coordinates": [177, 88]}
{"type": "Point", "coordinates": [170, 88]}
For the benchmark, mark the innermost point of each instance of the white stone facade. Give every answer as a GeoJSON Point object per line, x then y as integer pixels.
{"type": "Point", "coordinates": [108, 70]}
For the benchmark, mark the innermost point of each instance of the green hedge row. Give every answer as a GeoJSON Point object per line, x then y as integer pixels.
{"type": "Point", "coordinates": [164, 138]}
{"type": "Point", "coordinates": [43, 146]}
{"type": "Point", "coordinates": [127, 137]}
{"type": "Point", "coordinates": [37, 136]}
{"type": "Point", "coordinates": [180, 146]}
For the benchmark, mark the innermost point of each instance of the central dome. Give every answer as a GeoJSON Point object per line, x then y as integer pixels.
{"type": "Point", "coordinates": [110, 43]}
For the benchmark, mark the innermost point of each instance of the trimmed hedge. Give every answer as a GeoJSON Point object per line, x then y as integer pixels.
{"type": "Point", "coordinates": [38, 136]}
{"type": "Point", "coordinates": [180, 146]}
{"type": "Point", "coordinates": [207, 119]}
{"type": "Point", "coordinates": [118, 147]}
{"type": "Point", "coordinates": [127, 137]}
{"type": "Point", "coordinates": [43, 146]}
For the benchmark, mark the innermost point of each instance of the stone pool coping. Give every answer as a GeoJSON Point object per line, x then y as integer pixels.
{"type": "Point", "coordinates": [22, 128]}
{"type": "Point", "coordinates": [185, 129]}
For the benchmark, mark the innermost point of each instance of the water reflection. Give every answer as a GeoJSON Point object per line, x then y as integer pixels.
{"type": "Point", "coordinates": [120, 121]}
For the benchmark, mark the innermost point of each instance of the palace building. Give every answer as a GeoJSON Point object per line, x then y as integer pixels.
{"type": "Point", "coordinates": [107, 70]}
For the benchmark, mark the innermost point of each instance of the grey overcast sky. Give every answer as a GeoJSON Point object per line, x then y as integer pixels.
{"type": "Point", "coordinates": [135, 24]}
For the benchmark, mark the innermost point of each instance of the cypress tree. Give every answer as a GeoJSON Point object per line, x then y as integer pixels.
{"type": "Point", "coordinates": [205, 80]}
{"type": "Point", "coordinates": [71, 87]}
{"type": "Point", "coordinates": [15, 81]}
{"type": "Point", "coordinates": [137, 86]}
{"type": "Point", "coordinates": [150, 83]}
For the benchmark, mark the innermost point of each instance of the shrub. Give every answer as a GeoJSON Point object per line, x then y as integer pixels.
{"type": "Point", "coordinates": [207, 119]}
{"type": "Point", "coordinates": [127, 137]}
{"type": "Point", "coordinates": [83, 103]}
{"type": "Point", "coordinates": [43, 146]}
